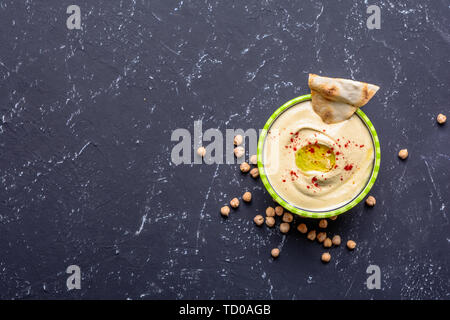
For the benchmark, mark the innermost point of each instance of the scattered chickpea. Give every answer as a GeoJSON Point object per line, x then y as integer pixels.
{"type": "Point", "coordinates": [238, 140]}
{"type": "Point", "coordinates": [259, 220]}
{"type": "Point", "coordinates": [225, 211]}
{"type": "Point", "coordinates": [284, 227]}
{"type": "Point", "coordinates": [302, 228]}
{"type": "Point", "coordinates": [323, 223]}
{"type": "Point", "coordinates": [254, 159]}
{"type": "Point", "coordinates": [351, 244]}
{"type": "Point", "coordinates": [275, 252]}
{"type": "Point", "coordinates": [239, 152]}
{"type": "Point", "coordinates": [270, 212]}
{"type": "Point", "coordinates": [336, 240]}
{"type": "Point", "coordinates": [311, 235]}
{"type": "Point", "coordinates": [371, 201]}
{"type": "Point", "coordinates": [441, 119]}
{"type": "Point", "coordinates": [201, 151]}
{"type": "Point", "coordinates": [326, 257]}
{"type": "Point", "coordinates": [247, 196]}
{"type": "Point", "coordinates": [279, 211]}
{"type": "Point", "coordinates": [234, 203]}
{"type": "Point", "coordinates": [333, 218]}
{"type": "Point", "coordinates": [287, 217]}
{"type": "Point", "coordinates": [403, 154]}
{"type": "Point", "coordinates": [270, 221]}
{"type": "Point", "coordinates": [245, 167]}
{"type": "Point", "coordinates": [327, 243]}
{"type": "Point", "coordinates": [254, 173]}
{"type": "Point", "coordinates": [321, 236]}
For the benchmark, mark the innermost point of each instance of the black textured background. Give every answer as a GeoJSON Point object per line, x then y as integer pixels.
{"type": "Point", "coordinates": [85, 171]}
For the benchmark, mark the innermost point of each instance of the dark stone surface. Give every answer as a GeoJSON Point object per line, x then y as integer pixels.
{"type": "Point", "coordinates": [86, 119]}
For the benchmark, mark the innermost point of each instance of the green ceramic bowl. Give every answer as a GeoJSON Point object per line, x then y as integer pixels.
{"type": "Point", "coordinates": [309, 213]}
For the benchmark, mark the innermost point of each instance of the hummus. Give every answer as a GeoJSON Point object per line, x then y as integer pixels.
{"type": "Point", "coordinates": [314, 165]}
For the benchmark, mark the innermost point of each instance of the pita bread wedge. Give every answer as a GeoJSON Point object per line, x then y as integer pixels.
{"type": "Point", "coordinates": [331, 111]}
{"type": "Point", "coordinates": [335, 100]}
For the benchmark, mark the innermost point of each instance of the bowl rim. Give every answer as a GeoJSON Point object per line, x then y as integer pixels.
{"type": "Point", "coordinates": [308, 213]}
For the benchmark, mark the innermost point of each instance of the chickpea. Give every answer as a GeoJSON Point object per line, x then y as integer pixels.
{"type": "Point", "coordinates": [333, 218]}
{"type": "Point", "coordinates": [239, 152]}
{"type": "Point", "coordinates": [441, 119]}
{"type": "Point", "coordinates": [323, 223]}
{"type": "Point", "coordinates": [254, 159]}
{"type": "Point", "coordinates": [284, 227]}
{"type": "Point", "coordinates": [254, 173]}
{"type": "Point", "coordinates": [371, 201]}
{"type": "Point", "coordinates": [247, 196]}
{"type": "Point", "coordinates": [270, 212]}
{"type": "Point", "coordinates": [225, 211]}
{"type": "Point", "coordinates": [321, 236]}
{"type": "Point", "coordinates": [258, 220]}
{"type": "Point", "coordinates": [311, 235]}
{"type": "Point", "coordinates": [302, 228]}
{"type": "Point", "coordinates": [275, 252]}
{"type": "Point", "coordinates": [326, 257]}
{"type": "Point", "coordinates": [327, 243]}
{"type": "Point", "coordinates": [234, 203]}
{"type": "Point", "coordinates": [270, 221]}
{"type": "Point", "coordinates": [201, 151]}
{"type": "Point", "coordinates": [351, 244]}
{"type": "Point", "coordinates": [238, 140]}
{"type": "Point", "coordinates": [279, 211]}
{"type": "Point", "coordinates": [245, 167]}
{"type": "Point", "coordinates": [336, 240]}
{"type": "Point", "coordinates": [287, 217]}
{"type": "Point", "coordinates": [403, 154]}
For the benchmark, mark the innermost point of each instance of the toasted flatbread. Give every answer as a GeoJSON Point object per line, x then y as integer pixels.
{"type": "Point", "coordinates": [331, 111]}
{"type": "Point", "coordinates": [335, 100]}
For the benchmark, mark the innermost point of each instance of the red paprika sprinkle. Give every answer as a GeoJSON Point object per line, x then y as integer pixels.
{"type": "Point", "coordinates": [348, 167]}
